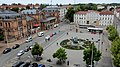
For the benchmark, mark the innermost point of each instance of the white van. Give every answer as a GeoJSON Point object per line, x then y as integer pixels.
{"type": "Point", "coordinates": [40, 34]}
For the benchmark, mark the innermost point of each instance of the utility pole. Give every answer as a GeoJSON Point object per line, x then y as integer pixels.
{"type": "Point", "coordinates": [92, 53]}
{"type": "Point", "coordinates": [6, 38]}
{"type": "Point", "coordinates": [51, 3]}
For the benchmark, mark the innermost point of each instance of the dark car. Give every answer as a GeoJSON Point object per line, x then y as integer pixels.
{"type": "Point", "coordinates": [15, 46]}
{"type": "Point", "coordinates": [6, 50]}
{"type": "Point", "coordinates": [17, 64]}
{"type": "Point", "coordinates": [26, 64]}
{"type": "Point", "coordinates": [34, 65]}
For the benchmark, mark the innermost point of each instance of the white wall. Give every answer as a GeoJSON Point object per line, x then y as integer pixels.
{"type": "Point", "coordinates": [92, 17]}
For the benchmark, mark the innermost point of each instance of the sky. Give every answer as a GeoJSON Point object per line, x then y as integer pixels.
{"type": "Point", "coordinates": [57, 1]}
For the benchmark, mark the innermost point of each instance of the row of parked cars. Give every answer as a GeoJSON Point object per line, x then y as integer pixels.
{"type": "Point", "coordinates": [27, 64]}
{"type": "Point", "coordinates": [40, 34]}
{"type": "Point", "coordinates": [9, 49]}
{"type": "Point", "coordinates": [26, 49]}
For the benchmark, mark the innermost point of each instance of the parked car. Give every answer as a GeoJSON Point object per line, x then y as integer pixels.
{"type": "Point", "coordinates": [27, 48]}
{"type": "Point", "coordinates": [41, 65]}
{"type": "Point", "coordinates": [54, 33]}
{"type": "Point", "coordinates": [17, 64]}
{"type": "Point", "coordinates": [51, 35]}
{"type": "Point", "coordinates": [33, 65]}
{"type": "Point", "coordinates": [40, 34]}
{"type": "Point", "coordinates": [56, 25]}
{"type": "Point", "coordinates": [29, 39]}
{"type": "Point", "coordinates": [20, 53]}
{"type": "Point", "coordinates": [26, 64]}
{"type": "Point", "coordinates": [47, 37]}
{"type": "Point", "coordinates": [7, 50]}
{"type": "Point", "coordinates": [15, 46]}
{"type": "Point", "coordinates": [31, 47]}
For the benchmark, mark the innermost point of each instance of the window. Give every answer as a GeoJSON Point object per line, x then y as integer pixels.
{"type": "Point", "coordinates": [0, 24]}
{"type": "Point", "coordinates": [87, 22]}
{"type": "Point", "coordinates": [6, 24]}
{"type": "Point", "coordinates": [9, 24]}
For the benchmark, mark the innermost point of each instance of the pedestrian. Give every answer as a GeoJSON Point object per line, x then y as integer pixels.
{"type": "Point", "coordinates": [106, 49]}
{"type": "Point", "coordinates": [57, 43]}
{"type": "Point", "coordinates": [67, 33]}
{"type": "Point", "coordinates": [68, 63]}
{"type": "Point", "coordinates": [102, 42]}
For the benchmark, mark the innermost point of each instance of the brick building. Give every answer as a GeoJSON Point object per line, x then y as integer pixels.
{"type": "Point", "coordinates": [13, 25]}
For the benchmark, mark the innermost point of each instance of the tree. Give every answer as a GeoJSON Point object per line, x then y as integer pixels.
{"type": "Point", "coordinates": [112, 32]}
{"type": "Point", "coordinates": [115, 49]}
{"type": "Point", "coordinates": [78, 9]}
{"type": "Point", "coordinates": [61, 55]}
{"type": "Point", "coordinates": [88, 54]}
{"type": "Point", "coordinates": [15, 9]}
{"type": "Point", "coordinates": [27, 7]}
{"type": "Point", "coordinates": [42, 6]}
{"type": "Point", "coordinates": [1, 37]}
{"type": "Point", "coordinates": [22, 9]}
{"type": "Point", "coordinates": [37, 51]}
{"type": "Point", "coordinates": [70, 14]}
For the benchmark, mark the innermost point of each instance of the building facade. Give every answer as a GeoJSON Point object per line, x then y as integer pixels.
{"type": "Point", "coordinates": [117, 12]}
{"type": "Point", "coordinates": [60, 10]}
{"type": "Point", "coordinates": [13, 25]}
{"type": "Point", "coordinates": [91, 17]}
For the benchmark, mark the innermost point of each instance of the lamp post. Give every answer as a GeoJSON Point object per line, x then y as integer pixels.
{"type": "Point", "coordinates": [92, 54]}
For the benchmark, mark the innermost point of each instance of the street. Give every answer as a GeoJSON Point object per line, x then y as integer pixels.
{"type": "Point", "coordinates": [74, 56]}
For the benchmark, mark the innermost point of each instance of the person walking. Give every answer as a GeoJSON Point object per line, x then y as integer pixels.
{"type": "Point", "coordinates": [57, 43]}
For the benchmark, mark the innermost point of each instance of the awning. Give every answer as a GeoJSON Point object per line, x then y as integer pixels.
{"type": "Point", "coordinates": [36, 25]}
{"type": "Point", "coordinates": [47, 19]}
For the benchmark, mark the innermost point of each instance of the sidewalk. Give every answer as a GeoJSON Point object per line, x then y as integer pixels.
{"type": "Point", "coordinates": [21, 41]}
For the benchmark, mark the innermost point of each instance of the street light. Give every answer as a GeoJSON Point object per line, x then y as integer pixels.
{"type": "Point", "coordinates": [92, 53]}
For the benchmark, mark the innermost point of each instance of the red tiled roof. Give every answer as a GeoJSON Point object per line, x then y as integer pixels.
{"type": "Point", "coordinates": [13, 6]}
{"type": "Point", "coordinates": [106, 13]}
{"type": "Point", "coordinates": [81, 12]}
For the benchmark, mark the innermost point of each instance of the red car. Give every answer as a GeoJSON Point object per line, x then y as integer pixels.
{"type": "Point", "coordinates": [51, 35]}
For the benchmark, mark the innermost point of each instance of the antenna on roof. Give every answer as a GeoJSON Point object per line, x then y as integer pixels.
{"type": "Point", "coordinates": [51, 3]}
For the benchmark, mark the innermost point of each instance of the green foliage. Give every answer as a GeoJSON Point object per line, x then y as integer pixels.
{"type": "Point", "coordinates": [115, 49]}
{"type": "Point", "coordinates": [27, 7]}
{"type": "Point", "coordinates": [117, 60]}
{"type": "Point", "coordinates": [1, 37]}
{"type": "Point", "coordinates": [15, 9]}
{"type": "Point", "coordinates": [37, 50]}
{"type": "Point", "coordinates": [42, 6]}
{"type": "Point", "coordinates": [78, 9]}
{"type": "Point", "coordinates": [22, 9]}
{"type": "Point", "coordinates": [88, 53]}
{"type": "Point", "coordinates": [69, 15]}
{"type": "Point", "coordinates": [112, 32]}
{"type": "Point", "coordinates": [60, 54]}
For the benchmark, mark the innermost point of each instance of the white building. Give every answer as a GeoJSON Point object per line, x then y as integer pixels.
{"type": "Point", "coordinates": [117, 13]}
{"type": "Point", "coordinates": [100, 7]}
{"type": "Point", "coordinates": [62, 11]}
{"type": "Point", "coordinates": [91, 17]}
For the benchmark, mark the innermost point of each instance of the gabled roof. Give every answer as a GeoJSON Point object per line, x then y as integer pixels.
{"type": "Point", "coordinates": [81, 12]}
{"type": "Point", "coordinates": [106, 13]}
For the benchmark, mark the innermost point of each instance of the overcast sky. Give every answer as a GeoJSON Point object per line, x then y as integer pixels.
{"type": "Point", "coordinates": [57, 1]}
